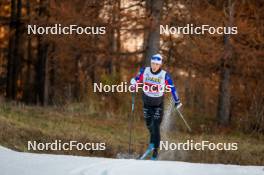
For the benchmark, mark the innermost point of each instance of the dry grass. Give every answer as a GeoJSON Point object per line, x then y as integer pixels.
{"type": "Point", "coordinates": [89, 123]}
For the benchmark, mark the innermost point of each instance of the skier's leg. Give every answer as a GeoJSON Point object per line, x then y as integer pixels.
{"type": "Point", "coordinates": [148, 120]}
{"type": "Point", "coordinates": [149, 123]}
{"type": "Point", "coordinates": [157, 118]}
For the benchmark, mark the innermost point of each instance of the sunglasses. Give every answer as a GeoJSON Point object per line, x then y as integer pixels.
{"type": "Point", "coordinates": [156, 58]}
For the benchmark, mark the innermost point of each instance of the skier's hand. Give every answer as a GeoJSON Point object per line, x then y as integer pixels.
{"type": "Point", "coordinates": [178, 105]}
{"type": "Point", "coordinates": [133, 82]}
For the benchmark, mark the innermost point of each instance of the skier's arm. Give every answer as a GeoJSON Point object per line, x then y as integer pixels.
{"type": "Point", "coordinates": [139, 77]}
{"type": "Point", "coordinates": [174, 93]}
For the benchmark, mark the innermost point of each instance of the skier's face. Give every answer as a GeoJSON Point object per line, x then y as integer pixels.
{"type": "Point", "coordinates": [155, 67]}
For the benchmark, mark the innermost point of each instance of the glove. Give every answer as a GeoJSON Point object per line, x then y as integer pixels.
{"type": "Point", "coordinates": [178, 104]}
{"type": "Point", "coordinates": [133, 81]}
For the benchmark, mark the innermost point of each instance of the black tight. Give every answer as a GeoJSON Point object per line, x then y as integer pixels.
{"type": "Point", "coordinates": [153, 117]}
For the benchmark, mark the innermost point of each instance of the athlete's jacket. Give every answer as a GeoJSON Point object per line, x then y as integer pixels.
{"type": "Point", "coordinates": [154, 85]}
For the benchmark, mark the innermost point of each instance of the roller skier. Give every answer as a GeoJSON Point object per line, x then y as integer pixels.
{"type": "Point", "coordinates": [154, 82]}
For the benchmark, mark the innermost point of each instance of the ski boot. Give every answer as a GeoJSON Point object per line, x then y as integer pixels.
{"type": "Point", "coordinates": [148, 151]}
{"type": "Point", "coordinates": [154, 154]}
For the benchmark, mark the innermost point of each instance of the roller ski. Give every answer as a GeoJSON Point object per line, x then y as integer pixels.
{"type": "Point", "coordinates": [150, 151]}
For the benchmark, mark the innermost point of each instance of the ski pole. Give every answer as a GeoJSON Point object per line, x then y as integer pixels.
{"type": "Point", "coordinates": [130, 122]}
{"type": "Point", "coordinates": [185, 122]}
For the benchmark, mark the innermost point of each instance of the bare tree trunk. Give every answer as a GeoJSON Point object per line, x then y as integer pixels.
{"type": "Point", "coordinates": [28, 91]}
{"type": "Point", "coordinates": [14, 61]}
{"type": "Point", "coordinates": [113, 43]}
{"type": "Point", "coordinates": [154, 9]}
{"type": "Point", "coordinates": [223, 109]}
{"type": "Point", "coordinates": [117, 46]}
{"type": "Point", "coordinates": [52, 75]}
{"type": "Point", "coordinates": [92, 71]}
{"type": "Point", "coordinates": [188, 96]}
{"type": "Point", "coordinates": [77, 86]}
{"type": "Point", "coordinates": [46, 76]}
{"type": "Point", "coordinates": [41, 72]}
{"type": "Point", "coordinates": [170, 52]}
{"type": "Point", "coordinates": [10, 63]}
{"type": "Point", "coordinates": [42, 65]}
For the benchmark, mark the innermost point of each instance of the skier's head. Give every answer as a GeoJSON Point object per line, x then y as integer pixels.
{"type": "Point", "coordinates": [156, 62]}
